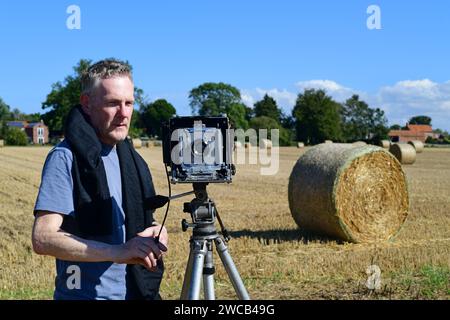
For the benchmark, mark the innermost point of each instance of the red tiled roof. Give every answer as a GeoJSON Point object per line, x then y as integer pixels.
{"type": "Point", "coordinates": [405, 133]}
{"type": "Point", "coordinates": [420, 127]}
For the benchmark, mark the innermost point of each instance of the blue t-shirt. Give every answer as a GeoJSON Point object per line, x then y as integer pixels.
{"type": "Point", "coordinates": [84, 280]}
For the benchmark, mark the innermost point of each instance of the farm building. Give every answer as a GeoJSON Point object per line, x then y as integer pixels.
{"type": "Point", "coordinates": [413, 132]}
{"type": "Point", "coordinates": [37, 132]}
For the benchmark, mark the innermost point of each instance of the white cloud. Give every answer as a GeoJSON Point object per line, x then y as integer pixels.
{"type": "Point", "coordinates": [416, 97]}
{"type": "Point", "coordinates": [321, 84]}
{"type": "Point", "coordinates": [284, 98]}
{"type": "Point", "coordinates": [247, 98]}
{"type": "Point", "coordinates": [339, 92]}
{"type": "Point", "coordinates": [400, 101]}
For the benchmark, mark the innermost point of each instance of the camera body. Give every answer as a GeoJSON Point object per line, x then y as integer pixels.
{"type": "Point", "coordinates": [198, 149]}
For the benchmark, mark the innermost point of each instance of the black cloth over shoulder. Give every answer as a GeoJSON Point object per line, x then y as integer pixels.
{"type": "Point", "coordinates": [93, 203]}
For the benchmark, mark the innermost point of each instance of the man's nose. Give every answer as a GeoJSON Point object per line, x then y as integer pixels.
{"type": "Point", "coordinates": [124, 110]}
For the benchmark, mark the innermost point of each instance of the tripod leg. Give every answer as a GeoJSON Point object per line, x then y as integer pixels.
{"type": "Point", "coordinates": [199, 253]}
{"type": "Point", "coordinates": [208, 275]}
{"type": "Point", "coordinates": [231, 269]}
{"type": "Point", "coordinates": [188, 273]}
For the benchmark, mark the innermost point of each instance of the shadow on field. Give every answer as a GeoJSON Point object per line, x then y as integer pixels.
{"type": "Point", "coordinates": [281, 235]}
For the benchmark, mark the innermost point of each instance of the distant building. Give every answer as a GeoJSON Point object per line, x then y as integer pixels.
{"type": "Point", "coordinates": [413, 132]}
{"type": "Point", "coordinates": [37, 132]}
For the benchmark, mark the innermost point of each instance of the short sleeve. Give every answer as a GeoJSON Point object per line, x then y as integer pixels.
{"type": "Point", "coordinates": [56, 190]}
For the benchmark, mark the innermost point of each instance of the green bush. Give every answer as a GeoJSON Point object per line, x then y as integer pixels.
{"type": "Point", "coordinates": [264, 122]}
{"type": "Point", "coordinates": [430, 140]}
{"type": "Point", "coordinates": [16, 137]}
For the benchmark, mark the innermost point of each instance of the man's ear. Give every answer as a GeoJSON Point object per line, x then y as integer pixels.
{"type": "Point", "coordinates": [84, 101]}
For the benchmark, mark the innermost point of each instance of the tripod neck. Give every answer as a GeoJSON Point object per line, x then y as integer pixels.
{"type": "Point", "coordinates": [200, 191]}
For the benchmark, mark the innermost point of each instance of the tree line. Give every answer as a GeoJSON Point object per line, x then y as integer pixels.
{"type": "Point", "coordinates": [316, 116]}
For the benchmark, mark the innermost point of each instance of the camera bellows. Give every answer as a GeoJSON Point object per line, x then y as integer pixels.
{"type": "Point", "coordinates": [357, 194]}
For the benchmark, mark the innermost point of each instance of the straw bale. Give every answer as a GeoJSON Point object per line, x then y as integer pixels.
{"type": "Point", "coordinates": [357, 194]}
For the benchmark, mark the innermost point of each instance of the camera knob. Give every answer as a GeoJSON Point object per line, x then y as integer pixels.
{"type": "Point", "coordinates": [184, 225]}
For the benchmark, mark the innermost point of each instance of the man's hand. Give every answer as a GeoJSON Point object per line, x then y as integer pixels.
{"type": "Point", "coordinates": [153, 232]}
{"type": "Point", "coordinates": [139, 250]}
{"type": "Point", "coordinates": [143, 249]}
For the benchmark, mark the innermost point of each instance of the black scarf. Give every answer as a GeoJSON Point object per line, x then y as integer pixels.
{"type": "Point", "coordinates": [93, 203]}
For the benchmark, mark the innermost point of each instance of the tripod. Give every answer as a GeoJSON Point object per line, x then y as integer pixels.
{"type": "Point", "coordinates": [200, 263]}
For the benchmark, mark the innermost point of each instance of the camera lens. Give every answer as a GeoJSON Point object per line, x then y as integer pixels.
{"type": "Point", "coordinates": [197, 148]}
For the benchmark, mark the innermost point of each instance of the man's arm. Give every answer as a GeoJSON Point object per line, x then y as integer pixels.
{"type": "Point", "coordinates": [49, 239]}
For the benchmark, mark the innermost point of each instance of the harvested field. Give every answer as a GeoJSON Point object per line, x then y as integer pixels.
{"type": "Point", "coordinates": [276, 259]}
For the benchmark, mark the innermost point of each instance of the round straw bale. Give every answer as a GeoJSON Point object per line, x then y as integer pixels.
{"type": "Point", "coordinates": [157, 143]}
{"type": "Point", "coordinates": [359, 144]}
{"type": "Point", "coordinates": [300, 145]}
{"type": "Point", "coordinates": [385, 144]}
{"type": "Point", "coordinates": [247, 145]}
{"type": "Point", "coordinates": [328, 141]}
{"type": "Point", "coordinates": [405, 153]}
{"type": "Point", "coordinates": [2, 143]}
{"type": "Point", "coordinates": [418, 145]}
{"type": "Point", "coordinates": [137, 143]}
{"type": "Point", "coordinates": [354, 194]}
{"type": "Point", "coordinates": [265, 144]}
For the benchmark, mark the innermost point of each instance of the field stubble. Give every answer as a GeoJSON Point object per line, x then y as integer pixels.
{"type": "Point", "coordinates": [275, 258]}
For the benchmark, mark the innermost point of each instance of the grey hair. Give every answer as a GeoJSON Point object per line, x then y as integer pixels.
{"type": "Point", "coordinates": [103, 69]}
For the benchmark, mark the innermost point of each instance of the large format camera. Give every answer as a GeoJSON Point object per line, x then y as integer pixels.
{"type": "Point", "coordinates": [198, 149]}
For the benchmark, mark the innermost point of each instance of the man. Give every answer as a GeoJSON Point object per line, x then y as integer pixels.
{"type": "Point", "coordinates": [94, 211]}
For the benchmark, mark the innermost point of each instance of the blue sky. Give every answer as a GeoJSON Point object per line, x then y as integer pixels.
{"type": "Point", "coordinates": [276, 47]}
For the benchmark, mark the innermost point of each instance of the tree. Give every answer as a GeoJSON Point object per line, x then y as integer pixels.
{"type": "Point", "coordinates": [395, 127]}
{"type": "Point", "coordinates": [136, 129]}
{"type": "Point", "coordinates": [441, 132]}
{"type": "Point", "coordinates": [355, 118]}
{"type": "Point", "coordinates": [237, 115]}
{"type": "Point", "coordinates": [317, 117]}
{"type": "Point", "coordinates": [63, 97]}
{"type": "Point", "coordinates": [33, 117]}
{"type": "Point", "coordinates": [288, 125]}
{"type": "Point", "coordinates": [267, 107]}
{"type": "Point", "coordinates": [17, 115]}
{"type": "Point", "coordinates": [267, 123]}
{"type": "Point", "coordinates": [4, 115]}
{"type": "Point", "coordinates": [248, 113]}
{"type": "Point", "coordinates": [420, 120]}
{"type": "Point", "coordinates": [4, 110]}
{"type": "Point", "coordinates": [213, 99]}
{"type": "Point", "coordinates": [378, 129]}
{"type": "Point", "coordinates": [154, 114]}
{"type": "Point", "coordinates": [360, 122]}
{"type": "Point", "coordinates": [16, 137]}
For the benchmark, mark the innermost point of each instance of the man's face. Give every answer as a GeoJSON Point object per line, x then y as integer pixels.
{"type": "Point", "coordinates": [110, 107]}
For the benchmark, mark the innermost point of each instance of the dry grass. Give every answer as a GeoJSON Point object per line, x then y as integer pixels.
{"type": "Point", "coordinates": [275, 259]}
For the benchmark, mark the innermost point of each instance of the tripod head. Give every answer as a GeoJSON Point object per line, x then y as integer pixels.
{"type": "Point", "coordinates": [203, 212]}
